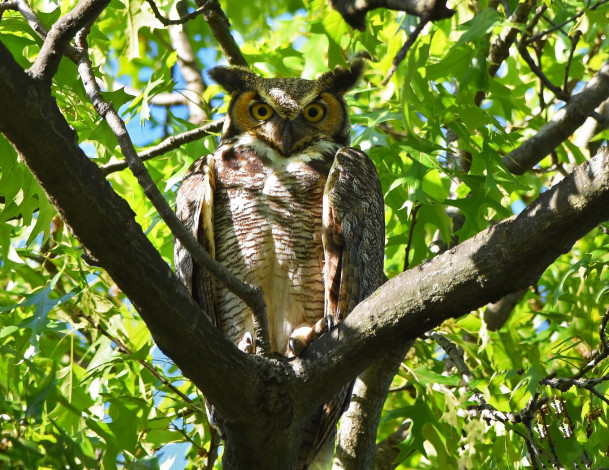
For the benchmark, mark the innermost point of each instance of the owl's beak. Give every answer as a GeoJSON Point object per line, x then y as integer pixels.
{"type": "Point", "coordinates": [285, 144]}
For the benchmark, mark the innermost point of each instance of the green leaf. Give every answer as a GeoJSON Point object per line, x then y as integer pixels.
{"type": "Point", "coordinates": [425, 376]}
{"type": "Point", "coordinates": [44, 304]}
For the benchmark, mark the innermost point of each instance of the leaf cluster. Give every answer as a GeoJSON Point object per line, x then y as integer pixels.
{"type": "Point", "coordinates": [83, 385]}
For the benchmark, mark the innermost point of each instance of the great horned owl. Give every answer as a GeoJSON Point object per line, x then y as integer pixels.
{"type": "Point", "coordinates": [287, 206]}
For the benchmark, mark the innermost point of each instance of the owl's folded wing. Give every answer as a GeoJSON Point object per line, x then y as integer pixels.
{"type": "Point", "coordinates": [194, 207]}
{"type": "Point", "coordinates": [353, 232]}
{"type": "Point", "coordinates": [353, 236]}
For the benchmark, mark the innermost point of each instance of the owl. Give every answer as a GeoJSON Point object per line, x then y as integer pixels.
{"type": "Point", "coordinates": [286, 205]}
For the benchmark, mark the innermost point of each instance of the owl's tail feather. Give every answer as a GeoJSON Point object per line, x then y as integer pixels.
{"type": "Point", "coordinates": [317, 447]}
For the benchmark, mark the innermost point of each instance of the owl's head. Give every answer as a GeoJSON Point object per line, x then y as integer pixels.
{"type": "Point", "coordinates": [289, 115]}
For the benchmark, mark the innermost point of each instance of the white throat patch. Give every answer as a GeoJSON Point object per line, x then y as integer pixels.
{"type": "Point", "coordinates": [314, 152]}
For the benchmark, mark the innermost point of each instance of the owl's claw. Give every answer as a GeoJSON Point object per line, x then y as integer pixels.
{"type": "Point", "coordinates": [329, 322]}
{"type": "Point", "coordinates": [297, 345]}
{"type": "Point", "coordinates": [247, 343]}
{"type": "Point", "coordinates": [305, 334]}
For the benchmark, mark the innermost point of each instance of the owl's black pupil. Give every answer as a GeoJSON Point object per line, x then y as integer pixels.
{"type": "Point", "coordinates": [313, 112]}
{"type": "Point", "coordinates": [262, 111]}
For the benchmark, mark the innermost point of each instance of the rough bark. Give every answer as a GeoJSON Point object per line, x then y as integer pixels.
{"type": "Point", "coordinates": [105, 225]}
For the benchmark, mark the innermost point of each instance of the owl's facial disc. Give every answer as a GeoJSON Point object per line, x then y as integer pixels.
{"type": "Point", "coordinates": [296, 132]}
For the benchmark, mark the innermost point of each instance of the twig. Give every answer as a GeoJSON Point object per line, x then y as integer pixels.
{"type": "Point", "coordinates": [181, 20]}
{"type": "Point", "coordinates": [125, 350]}
{"type": "Point", "coordinates": [564, 384]}
{"type": "Point", "coordinates": [251, 296]}
{"type": "Point", "coordinates": [167, 145]}
{"type": "Point", "coordinates": [399, 57]}
{"type": "Point", "coordinates": [574, 40]}
{"type": "Point", "coordinates": [522, 48]}
{"type": "Point", "coordinates": [562, 124]}
{"type": "Point", "coordinates": [564, 23]}
{"type": "Point", "coordinates": [413, 222]}
{"type": "Point", "coordinates": [603, 333]}
{"type": "Point", "coordinates": [560, 94]}
{"type": "Point", "coordinates": [220, 28]}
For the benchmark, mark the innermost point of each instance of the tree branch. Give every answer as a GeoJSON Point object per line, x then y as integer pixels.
{"type": "Point", "coordinates": [60, 35]}
{"type": "Point", "coordinates": [106, 226]}
{"type": "Point", "coordinates": [358, 426]}
{"type": "Point", "coordinates": [497, 313]}
{"type": "Point", "coordinates": [562, 124]}
{"type": "Point", "coordinates": [190, 70]}
{"type": "Point", "coordinates": [167, 145]}
{"type": "Point", "coordinates": [500, 49]}
{"type": "Point", "coordinates": [564, 23]}
{"type": "Point", "coordinates": [354, 11]}
{"type": "Point", "coordinates": [24, 8]}
{"type": "Point", "coordinates": [175, 21]}
{"type": "Point", "coordinates": [401, 55]}
{"type": "Point", "coordinates": [387, 451]}
{"type": "Point", "coordinates": [504, 258]}
{"type": "Point", "coordinates": [220, 28]}
{"type": "Point", "coordinates": [122, 347]}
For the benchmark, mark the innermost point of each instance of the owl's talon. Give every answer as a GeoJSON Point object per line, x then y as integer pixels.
{"type": "Point", "coordinates": [301, 337]}
{"type": "Point", "coordinates": [330, 322]}
{"type": "Point", "coordinates": [296, 345]}
{"type": "Point", "coordinates": [247, 343]}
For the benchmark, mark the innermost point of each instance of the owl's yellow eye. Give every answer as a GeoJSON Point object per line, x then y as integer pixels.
{"type": "Point", "coordinates": [314, 112]}
{"type": "Point", "coordinates": [261, 111]}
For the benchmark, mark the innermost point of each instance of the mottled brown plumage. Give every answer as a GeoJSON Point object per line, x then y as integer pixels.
{"type": "Point", "coordinates": [286, 206]}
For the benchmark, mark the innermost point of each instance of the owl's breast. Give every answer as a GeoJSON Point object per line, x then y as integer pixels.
{"type": "Point", "coordinates": [267, 221]}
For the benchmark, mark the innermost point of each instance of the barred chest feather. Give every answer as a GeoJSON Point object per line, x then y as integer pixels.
{"type": "Point", "coordinates": [267, 223]}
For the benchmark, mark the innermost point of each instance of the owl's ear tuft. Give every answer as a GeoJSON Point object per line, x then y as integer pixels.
{"type": "Point", "coordinates": [232, 78]}
{"type": "Point", "coordinates": [342, 79]}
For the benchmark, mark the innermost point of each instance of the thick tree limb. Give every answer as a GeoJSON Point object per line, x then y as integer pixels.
{"type": "Point", "coordinates": [504, 258]}
{"type": "Point", "coordinates": [106, 226]}
{"type": "Point", "coordinates": [562, 125]}
{"type": "Point", "coordinates": [354, 11]}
